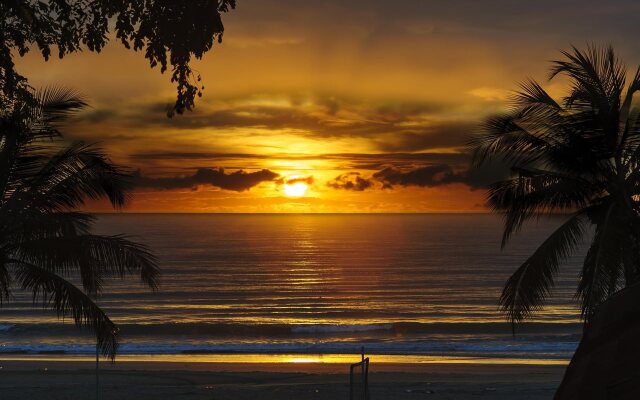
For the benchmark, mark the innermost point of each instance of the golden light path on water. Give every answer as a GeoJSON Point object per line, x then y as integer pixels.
{"type": "Point", "coordinates": [293, 359]}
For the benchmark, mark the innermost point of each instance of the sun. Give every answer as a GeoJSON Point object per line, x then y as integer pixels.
{"type": "Point", "coordinates": [297, 189]}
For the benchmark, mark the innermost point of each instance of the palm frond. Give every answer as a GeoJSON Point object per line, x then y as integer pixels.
{"type": "Point", "coordinates": [26, 225]}
{"type": "Point", "coordinates": [504, 139]}
{"type": "Point", "coordinates": [598, 78]}
{"type": "Point", "coordinates": [74, 174]}
{"type": "Point", "coordinates": [60, 295]}
{"type": "Point", "coordinates": [527, 288]}
{"type": "Point", "coordinates": [5, 279]}
{"type": "Point", "coordinates": [57, 104]}
{"type": "Point", "coordinates": [601, 271]}
{"type": "Point", "coordinates": [630, 148]}
{"type": "Point", "coordinates": [625, 111]}
{"type": "Point", "coordinates": [533, 102]}
{"type": "Point", "coordinates": [94, 257]}
{"type": "Point", "coordinates": [10, 147]}
{"type": "Point", "coordinates": [537, 192]}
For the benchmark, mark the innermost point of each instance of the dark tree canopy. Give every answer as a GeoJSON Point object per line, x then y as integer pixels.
{"type": "Point", "coordinates": [170, 32]}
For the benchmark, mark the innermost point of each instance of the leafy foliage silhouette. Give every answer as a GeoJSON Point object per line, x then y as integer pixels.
{"type": "Point", "coordinates": [579, 156]}
{"type": "Point", "coordinates": [45, 243]}
{"type": "Point", "coordinates": [170, 32]}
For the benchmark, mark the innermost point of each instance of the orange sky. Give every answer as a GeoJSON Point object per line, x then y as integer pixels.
{"type": "Point", "coordinates": [369, 102]}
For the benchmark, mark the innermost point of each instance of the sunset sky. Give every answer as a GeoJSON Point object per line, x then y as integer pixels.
{"type": "Point", "coordinates": [330, 106]}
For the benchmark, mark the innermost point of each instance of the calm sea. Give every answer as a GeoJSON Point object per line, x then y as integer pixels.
{"type": "Point", "coordinates": [317, 284]}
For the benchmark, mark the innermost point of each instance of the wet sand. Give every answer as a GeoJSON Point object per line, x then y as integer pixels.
{"type": "Point", "coordinates": [46, 379]}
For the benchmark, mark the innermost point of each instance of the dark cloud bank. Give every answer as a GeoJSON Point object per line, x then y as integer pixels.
{"type": "Point", "coordinates": [426, 176]}
{"type": "Point", "coordinates": [387, 178]}
{"type": "Point", "coordinates": [351, 181]}
{"type": "Point", "coordinates": [238, 181]}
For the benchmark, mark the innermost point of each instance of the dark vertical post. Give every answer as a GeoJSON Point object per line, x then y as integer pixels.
{"type": "Point", "coordinates": [366, 381]}
{"type": "Point", "coordinates": [97, 371]}
{"type": "Point", "coordinates": [363, 378]}
{"type": "Point", "coordinates": [351, 382]}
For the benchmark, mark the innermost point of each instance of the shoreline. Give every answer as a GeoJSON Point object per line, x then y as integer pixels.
{"type": "Point", "coordinates": [283, 359]}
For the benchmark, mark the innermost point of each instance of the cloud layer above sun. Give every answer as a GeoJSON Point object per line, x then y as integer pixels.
{"type": "Point", "coordinates": [368, 103]}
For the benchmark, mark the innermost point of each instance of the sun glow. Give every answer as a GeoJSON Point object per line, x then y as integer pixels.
{"type": "Point", "coordinates": [297, 189]}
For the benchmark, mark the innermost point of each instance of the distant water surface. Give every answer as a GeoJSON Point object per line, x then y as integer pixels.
{"type": "Point", "coordinates": [420, 284]}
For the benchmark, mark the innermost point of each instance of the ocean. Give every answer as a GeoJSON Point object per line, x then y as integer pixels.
{"type": "Point", "coordinates": [423, 286]}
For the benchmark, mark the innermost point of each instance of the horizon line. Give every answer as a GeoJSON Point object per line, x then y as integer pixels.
{"type": "Point", "coordinates": [302, 213]}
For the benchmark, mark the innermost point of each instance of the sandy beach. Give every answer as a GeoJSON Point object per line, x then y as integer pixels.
{"type": "Point", "coordinates": [54, 379]}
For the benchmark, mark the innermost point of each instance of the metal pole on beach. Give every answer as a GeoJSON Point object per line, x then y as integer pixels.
{"type": "Point", "coordinates": [97, 372]}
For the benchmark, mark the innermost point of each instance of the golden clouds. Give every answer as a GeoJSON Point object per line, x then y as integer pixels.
{"type": "Point", "coordinates": [372, 99]}
{"type": "Point", "coordinates": [490, 93]}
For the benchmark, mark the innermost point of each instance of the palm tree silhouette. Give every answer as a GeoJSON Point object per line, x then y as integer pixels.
{"type": "Point", "coordinates": [579, 156]}
{"type": "Point", "coordinates": [43, 239]}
